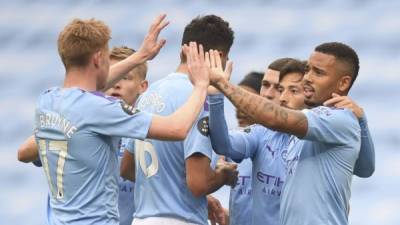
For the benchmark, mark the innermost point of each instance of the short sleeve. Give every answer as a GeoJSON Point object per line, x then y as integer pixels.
{"type": "Point", "coordinates": [198, 140]}
{"type": "Point", "coordinates": [116, 118]}
{"type": "Point", "coordinates": [214, 160]}
{"type": "Point", "coordinates": [330, 125]}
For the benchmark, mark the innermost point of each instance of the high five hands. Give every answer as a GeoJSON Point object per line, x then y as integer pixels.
{"type": "Point", "coordinates": [210, 63]}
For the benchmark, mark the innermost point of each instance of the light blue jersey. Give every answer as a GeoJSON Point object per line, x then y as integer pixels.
{"type": "Point", "coordinates": [267, 150]}
{"type": "Point", "coordinates": [160, 188]}
{"type": "Point", "coordinates": [317, 189]}
{"type": "Point", "coordinates": [126, 204]}
{"type": "Point", "coordinates": [240, 199]}
{"type": "Point", "coordinates": [77, 133]}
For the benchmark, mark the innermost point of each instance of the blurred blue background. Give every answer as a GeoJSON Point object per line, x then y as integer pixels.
{"type": "Point", "coordinates": [264, 30]}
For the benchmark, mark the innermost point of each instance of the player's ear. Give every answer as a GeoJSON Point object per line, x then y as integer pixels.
{"type": "Point", "coordinates": [144, 84]}
{"type": "Point", "coordinates": [344, 83]}
{"type": "Point", "coordinates": [96, 58]}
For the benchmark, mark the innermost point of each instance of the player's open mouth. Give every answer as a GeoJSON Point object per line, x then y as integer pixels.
{"type": "Point", "coordinates": [308, 91]}
{"type": "Point", "coordinates": [116, 95]}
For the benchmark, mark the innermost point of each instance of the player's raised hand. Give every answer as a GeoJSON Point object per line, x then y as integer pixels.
{"type": "Point", "coordinates": [198, 69]}
{"type": "Point", "coordinates": [345, 102]}
{"type": "Point", "coordinates": [151, 45]}
{"type": "Point", "coordinates": [217, 72]}
{"type": "Point", "coordinates": [230, 173]}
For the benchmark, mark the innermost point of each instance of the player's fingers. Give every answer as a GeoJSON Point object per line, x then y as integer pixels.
{"type": "Point", "coordinates": [196, 52]}
{"type": "Point", "coordinates": [161, 26]}
{"type": "Point", "coordinates": [222, 219]}
{"type": "Point", "coordinates": [193, 50]}
{"type": "Point", "coordinates": [213, 221]}
{"type": "Point", "coordinates": [207, 59]}
{"type": "Point", "coordinates": [234, 165]}
{"type": "Point", "coordinates": [160, 44]}
{"type": "Point", "coordinates": [184, 51]}
{"type": "Point", "coordinates": [218, 59]}
{"type": "Point", "coordinates": [342, 104]}
{"type": "Point", "coordinates": [333, 101]}
{"type": "Point", "coordinates": [201, 53]}
{"type": "Point", "coordinates": [188, 55]}
{"type": "Point", "coordinates": [212, 58]}
{"type": "Point", "coordinates": [156, 22]}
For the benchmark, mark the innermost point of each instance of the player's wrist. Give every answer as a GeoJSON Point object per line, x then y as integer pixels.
{"type": "Point", "coordinates": [140, 56]}
{"type": "Point", "coordinates": [201, 85]}
{"type": "Point", "coordinates": [217, 80]}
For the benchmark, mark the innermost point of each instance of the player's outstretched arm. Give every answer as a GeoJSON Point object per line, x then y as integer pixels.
{"type": "Point", "coordinates": [262, 110]}
{"type": "Point", "coordinates": [148, 50]}
{"type": "Point", "coordinates": [128, 166]}
{"type": "Point", "coordinates": [365, 164]}
{"type": "Point", "coordinates": [202, 180]}
{"type": "Point", "coordinates": [177, 125]}
{"type": "Point", "coordinates": [28, 151]}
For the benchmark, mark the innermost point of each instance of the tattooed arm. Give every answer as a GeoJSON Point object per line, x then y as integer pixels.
{"type": "Point", "coordinates": [262, 110]}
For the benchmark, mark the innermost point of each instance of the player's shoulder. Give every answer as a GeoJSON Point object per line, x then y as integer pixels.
{"type": "Point", "coordinates": [332, 113]}
{"type": "Point", "coordinates": [338, 118]}
{"type": "Point", "coordinates": [166, 94]}
{"type": "Point", "coordinates": [177, 83]}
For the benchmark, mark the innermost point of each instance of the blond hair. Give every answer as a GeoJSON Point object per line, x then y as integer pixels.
{"type": "Point", "coordinates": [80, 39]}
{"type": "Point", "coordinates": [123, 52]}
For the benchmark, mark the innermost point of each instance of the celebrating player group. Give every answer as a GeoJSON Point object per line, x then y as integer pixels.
{"type": "Point", "coordinates": [117, 150]}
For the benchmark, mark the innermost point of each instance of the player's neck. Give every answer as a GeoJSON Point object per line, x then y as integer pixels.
{"type": "Point", "coordinates": [80, 78]}
{"type": "Point", "coordinates": [182, 68]}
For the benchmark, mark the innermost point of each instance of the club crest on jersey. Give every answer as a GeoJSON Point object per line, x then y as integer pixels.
{"type": "Point", "coordinates": [130, 110]}
{"type": "Point", "coordinates": [202, 126]}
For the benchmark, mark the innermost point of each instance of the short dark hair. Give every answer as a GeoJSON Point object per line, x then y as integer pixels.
{"type": "Point", "coordinates": [344, 54]}
{"type": "Point", "coordinates": [211, 31]}
{"type": "Point", "coordinates": [278, 64]}
{"type": "Point", "coordinates": [293, 66]}
{"type": "Point", "coordinates": [253, 80]}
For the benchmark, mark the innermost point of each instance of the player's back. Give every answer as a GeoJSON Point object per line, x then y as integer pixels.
{"type": "Point", "coordinates": [160, 188]}
{"type": "Point", "coordinates": [79, 159]}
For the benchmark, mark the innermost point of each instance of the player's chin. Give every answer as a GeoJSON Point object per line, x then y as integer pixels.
{"type": "Point", "coordinates": [309, 102]}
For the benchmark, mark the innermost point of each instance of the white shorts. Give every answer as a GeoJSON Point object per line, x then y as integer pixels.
{"type": "Point", "coordinates": [160, 221]}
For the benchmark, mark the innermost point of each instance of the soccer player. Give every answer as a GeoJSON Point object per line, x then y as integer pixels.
{"type": "Point", "coordinates": [128, 89]}
{"type": "Point", "coordinates": [265, 148]}
{"type": "Point", "coordinates": [267, 85]}
{"type": "Point", "coordinates": [78, 129]}
{"type": "Point", "coordinates": [172, 179]}
{"type": "Point", "coordinates": [320, 166]}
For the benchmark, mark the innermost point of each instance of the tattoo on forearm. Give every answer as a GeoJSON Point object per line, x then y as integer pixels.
{"type": "Point", "coordinates": [301, 120]}
{"type": "Point", "coordinates": [251, 105]}
{"type": "Point", "coordinates": [259, 108]}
